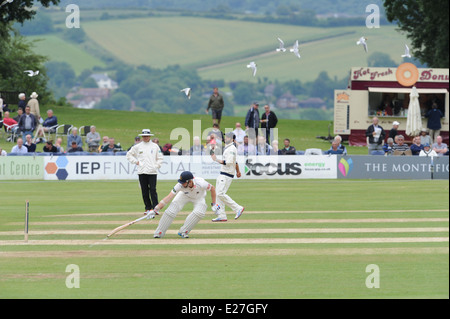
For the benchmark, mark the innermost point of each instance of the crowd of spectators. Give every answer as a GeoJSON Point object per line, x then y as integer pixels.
{"type": "Point", "coordinates": [32, 136]}
{"type": "Point", "coordinates": [395, 144]}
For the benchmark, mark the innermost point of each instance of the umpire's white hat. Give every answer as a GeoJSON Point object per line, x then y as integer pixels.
{"type": "Point", "coordinates": [146, 132]}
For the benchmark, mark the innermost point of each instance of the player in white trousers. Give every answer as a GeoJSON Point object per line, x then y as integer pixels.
{"type": "Point", "coordinates": [188, 189]}
{"type": "Point", "coordinates": [228, 170]}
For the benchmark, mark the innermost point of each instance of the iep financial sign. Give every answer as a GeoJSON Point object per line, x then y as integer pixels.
{"type": "Point", "coordinates": [118, 167]}
{"type": "Point", "coordinates": [252, 167]}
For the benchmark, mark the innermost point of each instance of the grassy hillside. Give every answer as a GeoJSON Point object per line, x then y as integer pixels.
{"type": "Point", "coordinates": [220, 49]}
{"type": "Point", "coordinates": [161, 41]}
{"type": "Point", "coordinates": [57, 49]}
{"type": "Point", "coordinates": [124, 126]}
{"type": "Point", "coordinates": [335, 55]}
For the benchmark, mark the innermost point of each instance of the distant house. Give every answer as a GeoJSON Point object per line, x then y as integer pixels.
{"type": "Point", "coordinates": [313, 103]}
{"type": "Point", "coordinates": [87, 98]}
{"type": "Point", "coordinates": [104, 81]}
{"type": "Point", "coordinates": [287, 101]}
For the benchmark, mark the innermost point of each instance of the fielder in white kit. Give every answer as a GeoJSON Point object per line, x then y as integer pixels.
{"type": "Point", "coordinates": [188, 189]}
{"type": "Point", "coordinates": [228, 170]}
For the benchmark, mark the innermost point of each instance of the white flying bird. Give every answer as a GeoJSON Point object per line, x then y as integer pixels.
{"type": "Point", "coordinates": [187, 91]}
{"type": "Point", "coordinates": [362, 41]}
{"type": "Point", "coordinates": [252, 66]}
{"type": "Point", "coordinates": [281, 48]}
{"type": "Point", "coordinates": [407, 54]}
{"type": "Point", "coordinates": [295, 50]}
{"type": "Point", "coordinates": [31, 72]}
{"type": "Point", "coordinates": [5, 2]}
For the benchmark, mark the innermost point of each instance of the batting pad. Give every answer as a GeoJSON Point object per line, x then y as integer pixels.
{"type": "Point", "coordinates": [193, 219]}
{"type": "Point", "coordinates": [167, 219]}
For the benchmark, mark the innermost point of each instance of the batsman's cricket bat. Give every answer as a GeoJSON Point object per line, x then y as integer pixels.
{"type": "Point", "coordinates": [118, 229]}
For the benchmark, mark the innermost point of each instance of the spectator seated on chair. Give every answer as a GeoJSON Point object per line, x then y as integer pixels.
{"type": "Point", "coordinates": [440, 148]}
{"type": "Point", "coordinates": [49, 147]}
{"type": "Point", "coordinates": [287, 149]}
{"type": "Point", "coordinates": [19, 148]}
{"type": "Point", "coordinates": [387, 148]}
{"type": "Point", "coordinates": [335, 149]}
{"type": "Point", "coordinates": [416, 147]}
{"type": "Point", "coordinates": [427, 151]}
{"type": "Point", "coordinates": [74, 137]}
{"type": "Point", "coordinates": [401, 148]}
{"type": "Point", "coordinates": [93, 139]}
{"type": "Point", "coordinates": [29, 144]}
{"type": "Point", "coordinates": [111, 146]}
{"type": "Point", "coordinates": [197, 148]}
{"type": "Point", "coordinates": [338, 139]}
{"type": "Point", "coordinates": [75, 148]}
{"type": "Point", "coordinates": [48, 126]}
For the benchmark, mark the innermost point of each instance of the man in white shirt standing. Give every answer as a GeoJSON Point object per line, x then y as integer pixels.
{"type": "Point", "coordinates": [223, 182]}
{"type": "Point", "coordinates": [149, 158]}
{"type": "Point", "coordinates": [189, 189]}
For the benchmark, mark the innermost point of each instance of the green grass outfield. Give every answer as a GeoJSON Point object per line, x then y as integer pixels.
{"type": "Point", "coordinates": [296, 239]}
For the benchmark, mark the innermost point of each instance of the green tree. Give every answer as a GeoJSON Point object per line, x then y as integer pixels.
{"type": "Point", "coordinates": [118, 101]}
{"type": "Point", "coordinates": [62, 78]}
{"type": "Point", "coordinates": [16, 56]}
{"type": "Point", "coordinates": [15, 12]}
{"type": "Point", "coordinates": [16, 53]}
{"type": "Point", "coordinates": [425, 22]}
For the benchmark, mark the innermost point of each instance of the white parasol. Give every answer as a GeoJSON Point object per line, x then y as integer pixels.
{"type": "Point", "coordinates": [414, 118]}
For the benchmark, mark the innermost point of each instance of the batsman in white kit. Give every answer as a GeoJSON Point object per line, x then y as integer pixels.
{"type": "Point", "coordinates": [228, 170]}
{"type": "Point", "coordinates": [188, 189]}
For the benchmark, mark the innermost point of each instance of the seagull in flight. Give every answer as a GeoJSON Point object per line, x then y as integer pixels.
{"type": "Point", "coordinates": [362, 41]}
{"type": "Point", "coordinates": [295, 50]}
{"type": "Point", "coordinates": [252, 66]}
{"type": "Point", "coordinates": [187, 91]}
{"type": "Point", "coordinates": [407, 53]}
{"type": "Point", "coordinates": [5, 2]}
{"type": "Point", "coordinates": [281, 48]}
{"type": "Point", "coordinates": [32, 73]}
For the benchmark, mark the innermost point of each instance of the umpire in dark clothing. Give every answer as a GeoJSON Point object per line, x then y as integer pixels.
{"type": "Point", "coordinates": [252, 121]}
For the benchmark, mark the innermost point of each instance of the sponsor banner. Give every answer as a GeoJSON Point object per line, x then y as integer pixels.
{"type": "Point", "coordinates": [440, 167]}
{"type": "Point", "coordinates": [289, 167]}
{"type": "Point", "coordinates": [21, 168]}
{"type": "Point", "coordinates": [118, 167]}
{"type": "Point", "coordinates": [392, 167]}
{"type": "Point", "coordinates": [252, 167]}
{"type": "Point", "coordinates": [389, 74]}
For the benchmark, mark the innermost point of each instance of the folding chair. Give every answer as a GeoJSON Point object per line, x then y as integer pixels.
{"type": "Point", "coordinates": [313, 151]}
{"type": "Point", "coordinates": [84, 130]}
{"type": "Point", "coordinates": [51, 130]}
{"type": "Point", "coordinates": [63, 130]}
{"type": "Point", "coordinates": [11, 132]}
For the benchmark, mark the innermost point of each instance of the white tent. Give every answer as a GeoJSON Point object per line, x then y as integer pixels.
{"type": "Point", "coordinates": [414, 118]}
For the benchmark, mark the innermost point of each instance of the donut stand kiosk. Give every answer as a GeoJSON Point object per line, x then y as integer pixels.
{"type": "Point", "coordinates": [384, 93]}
